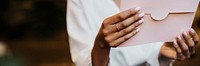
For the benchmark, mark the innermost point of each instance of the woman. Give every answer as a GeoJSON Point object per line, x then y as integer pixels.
{"type": "Point", "coordinates": [91, 37]}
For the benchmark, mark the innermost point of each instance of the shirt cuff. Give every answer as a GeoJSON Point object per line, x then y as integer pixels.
{"type": "Point", "coordinates": [152, 59]}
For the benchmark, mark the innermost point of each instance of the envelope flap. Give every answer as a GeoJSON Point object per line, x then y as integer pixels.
{"type": "Point", "coordinates": [159, 9]}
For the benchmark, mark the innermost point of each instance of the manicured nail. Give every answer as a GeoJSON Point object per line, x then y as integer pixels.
{"type": "Point", "coordinates": [141, 15]}
{"type": "Point", "coordinates": [175, 43]}
{"type": "Point", "coordinates": [137, 8]}
{"type": "Point", "coordinates": [137, 30]}
{"type": "Point", "coordinates": [192, 30]}
{"type": "Point", "coordinates": [179, 37]}
{"type": "Point", "coordinates": [185, 33]}
{"type": "Point", "coordinates": [141, 21]}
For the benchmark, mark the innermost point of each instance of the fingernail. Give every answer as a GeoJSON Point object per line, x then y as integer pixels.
{"type": "Point", "coordinates": [179, 37]}
{"type": "Point", "coordinates": [141, 15]}
{"type": "Point", "coordinates": [141, 21]}
{"type": "Point", "coordinates": [137, 30]}
{"type": "Point", "coordinates": [185, 33]}
{"type": "Point", "coordinates": [137, 8]}
{"type": "Point", "coordinates": [175, 43]}
{"type": "Point", "coordinates": [192, 30]}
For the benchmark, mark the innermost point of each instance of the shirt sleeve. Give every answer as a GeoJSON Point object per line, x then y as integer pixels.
{"type": "Point", "coordinates": [136, 55]}
{"type": "Point", "coordinates": [80, 36]}
{"type": "Point", "coordinates": [81, 40]}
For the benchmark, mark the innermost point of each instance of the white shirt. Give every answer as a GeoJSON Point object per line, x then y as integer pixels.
{"type": "Point", "coordinates": [84, 18]}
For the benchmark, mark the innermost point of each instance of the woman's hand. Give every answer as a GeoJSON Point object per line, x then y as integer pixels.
{"type": "Point", "coordinates": [114, 31]}
{"type": "Point", "coordinates": [182, 48]}
{"type": "Point", "coordinates": [120, 27]}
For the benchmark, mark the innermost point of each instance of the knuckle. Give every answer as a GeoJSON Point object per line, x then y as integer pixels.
{"type": "Point", "coordinates": [105, 24]}
{"type": "Point", "coordinates": [134, 18]}
{"type": "Point", "coordinates": [135, 24]}
{"type": "Point", "coordinates": [108, 39]}
{"type": "Point", "coordinates": [120, 16]}
{"type": "Point", "coordinates": [112, 44]}
{"type": "Point", "coordinates": [128, 12]}
{"type": "Point", "coordinates": [134, 32]}
{"type": "Point", "coordinates": [106, 21]}
{"type": "Point", "coordinates": [125, 21]}
{"type": "Point", "coordinates": [125, 31]}
{"type": "Point", "coordinates": [123, 24]}
{"type": "Point", "coordinates": [175, 45]}
{"type": "Point", "coordinates": [179, 52]}
{"type": "Point", "coordinates": [105, 31]}
{"type": "Point", "coordinates": [182, 42]}
{"type": "Point", "coordinates": [125, 38]}
{"type": "Point", "coordinates": [185, 49]}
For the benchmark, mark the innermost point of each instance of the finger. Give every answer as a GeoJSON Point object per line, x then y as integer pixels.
{"type": "Point", "coordinates": [189, 42]}
{"type": "Point", "coordinates": [193, 50]}
{"type": "Point", "coordinates": [194, 35]}
{"type": "Point", "coordinates": [182, 58]}
{"type": "Point", "coordinates": [123, 32]}
{"type": "Point", "coordinates": [183, 46]}
{"type": "Point", "coordinates": [178, 49]}
{"type": "Point", "coordinates": [179, 55]}
{"type": "Point", "coordinates": [109, 30]}
{"type": "Point", "coordinates": [129, 21]}
{"type": "Point", "coordinates": [121, 16]}
{"type": "Point", "coordinates": [124, 24]}
{"type": "Point", "coordinates": [124, 38]}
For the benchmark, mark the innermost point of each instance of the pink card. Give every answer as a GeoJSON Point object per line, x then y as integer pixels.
{"type": "Point", "coordinates": [164, 19]}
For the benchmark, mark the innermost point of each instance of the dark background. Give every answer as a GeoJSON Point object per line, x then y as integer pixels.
{"type": "Point", "coordinates": [34, 32]}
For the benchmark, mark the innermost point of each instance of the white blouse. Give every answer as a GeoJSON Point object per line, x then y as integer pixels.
{"type": "Point", "coordinates": [84, 18]}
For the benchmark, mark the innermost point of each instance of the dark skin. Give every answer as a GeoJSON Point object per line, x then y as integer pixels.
{"type": "Point", "coordinates": [109, 36]}
{"type": "Point", "coordinates": [124, 25]}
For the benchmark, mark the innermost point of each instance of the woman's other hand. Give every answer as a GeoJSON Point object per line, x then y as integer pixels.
{"type": "Point", "coordinates": [182, 48]}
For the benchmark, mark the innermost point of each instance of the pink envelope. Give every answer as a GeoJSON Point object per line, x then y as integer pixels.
{"type": "Point", "coordinates": [164, 19]}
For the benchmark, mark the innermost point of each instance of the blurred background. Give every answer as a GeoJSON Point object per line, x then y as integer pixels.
{"type": "Point", "coordinates": [33, 33]}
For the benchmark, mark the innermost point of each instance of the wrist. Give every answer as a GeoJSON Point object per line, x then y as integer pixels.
{"type": "Point", "coordinates": [100, 53]}
{"type": "Point", "coordinates": [100, 42]}
{"type": "Point", "coordinates": [166, 55]}
{"type": "Point", "coordinates": [164, 61]}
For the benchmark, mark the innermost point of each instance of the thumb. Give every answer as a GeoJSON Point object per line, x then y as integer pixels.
{"type": "Point", "coordinates": [168, 51]}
